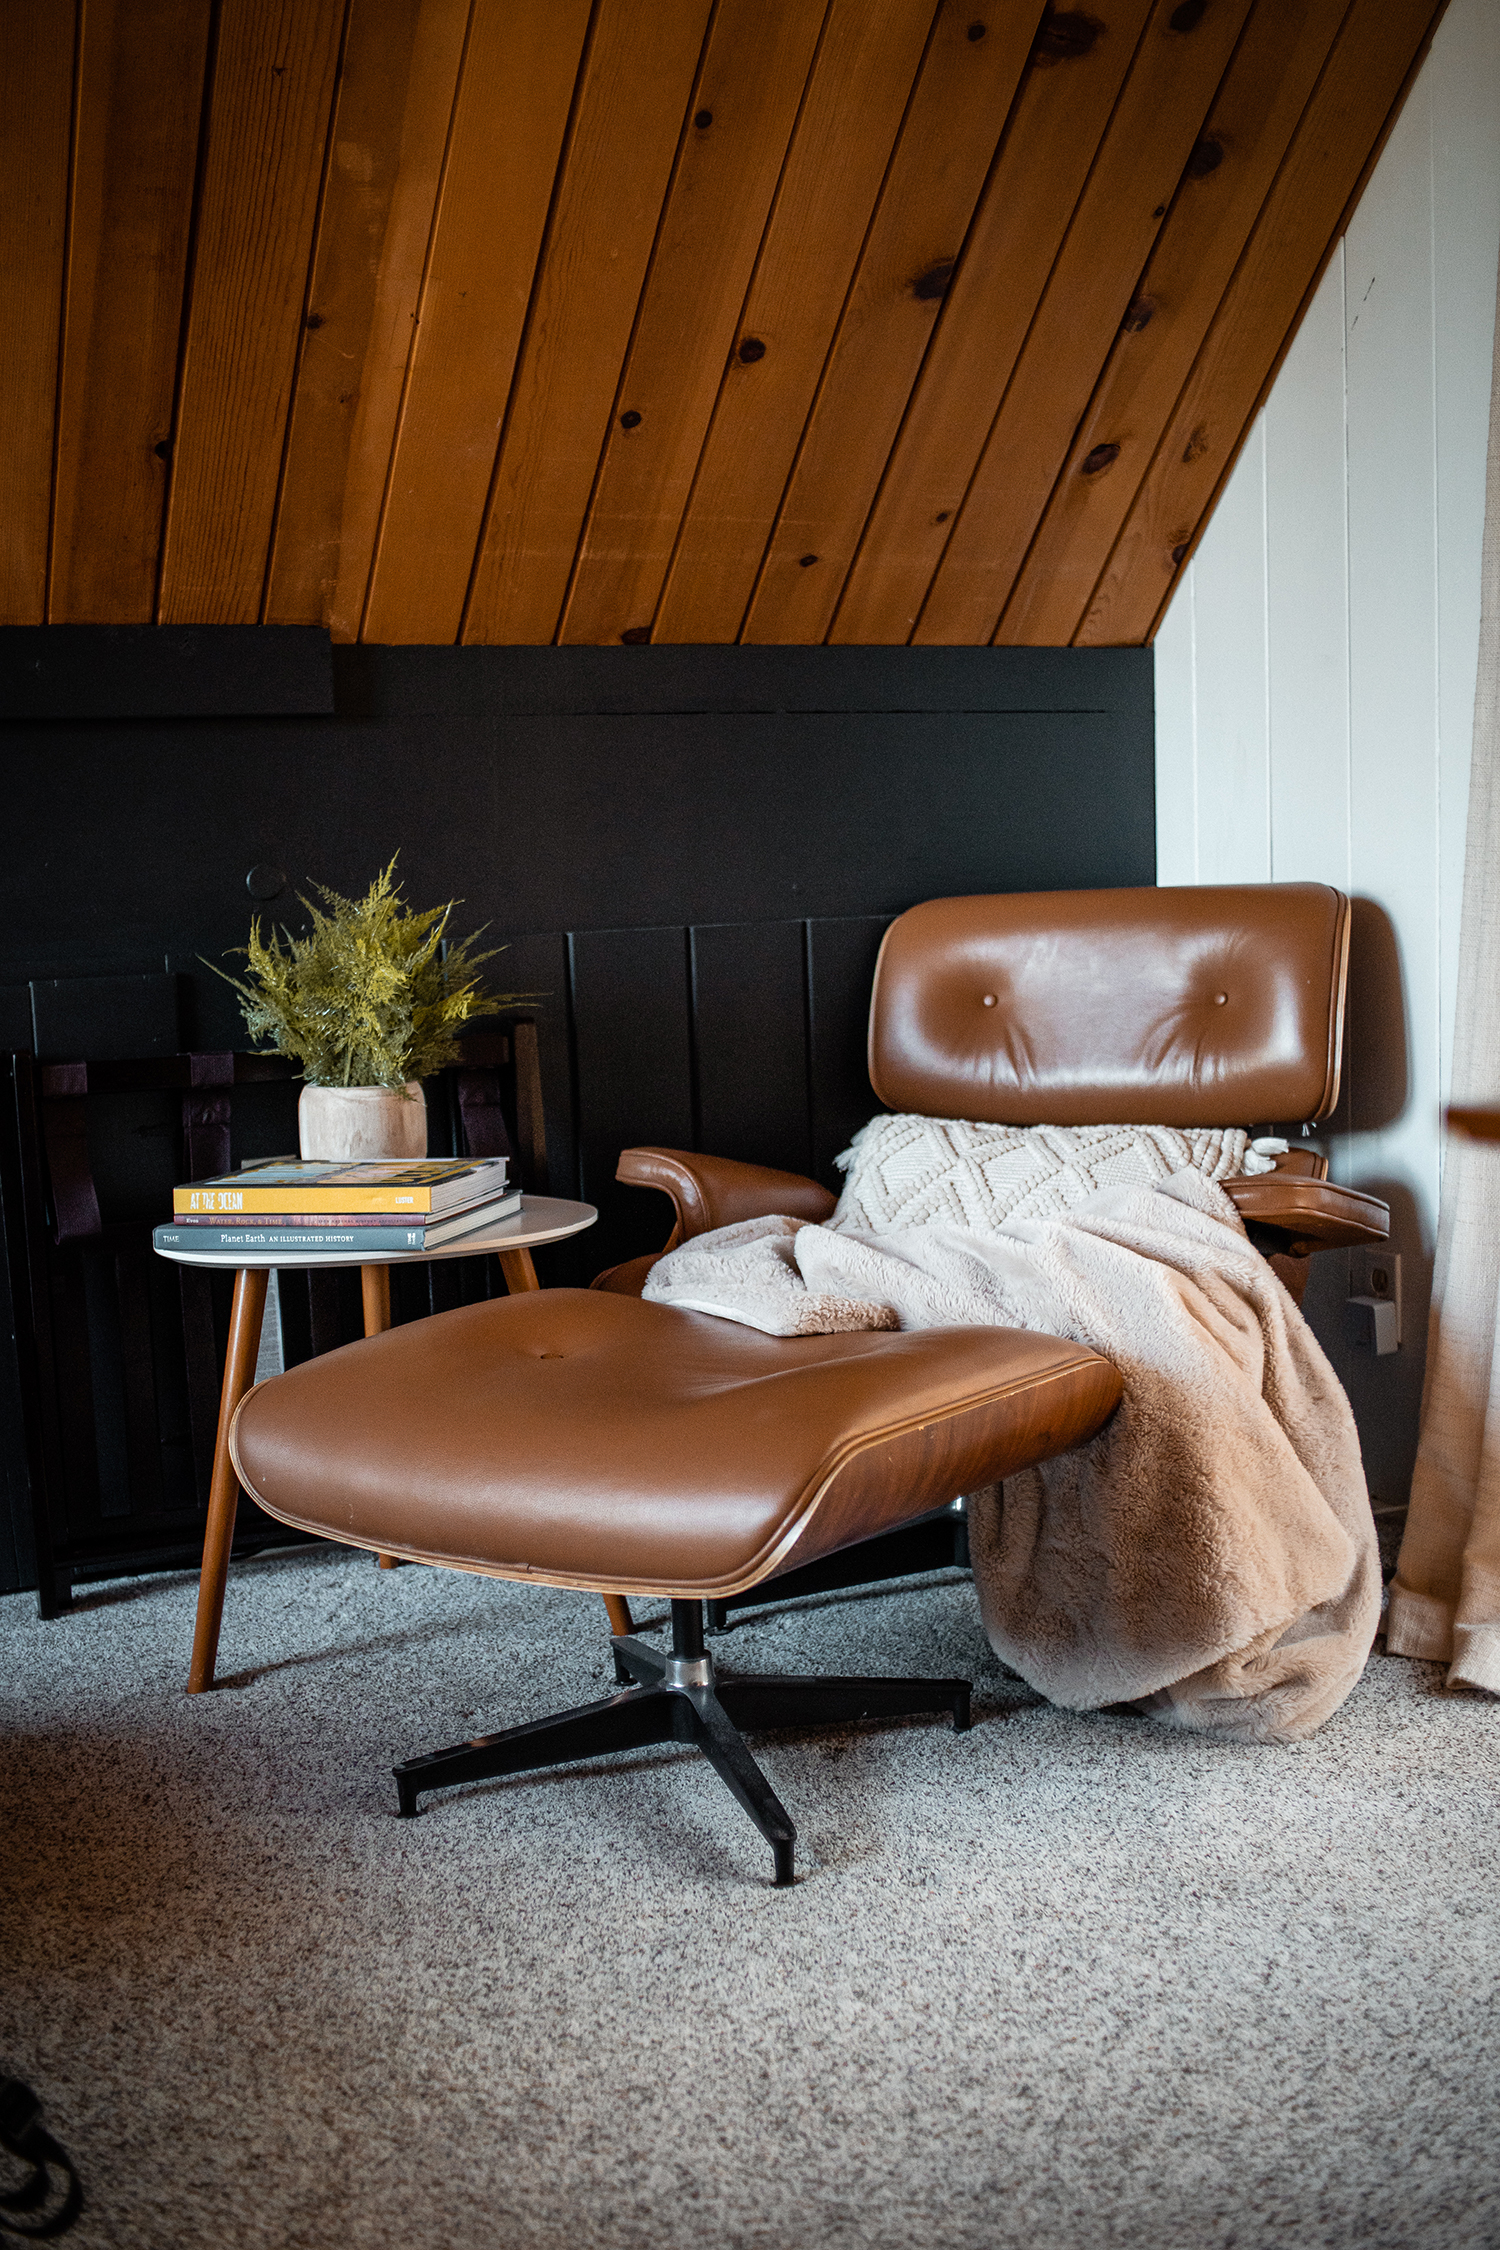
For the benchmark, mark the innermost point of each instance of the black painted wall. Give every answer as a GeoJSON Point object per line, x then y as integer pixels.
{"type": "Point", "coordinates": [692, 852]}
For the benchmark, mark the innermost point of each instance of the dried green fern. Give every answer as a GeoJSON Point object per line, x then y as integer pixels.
{"type": "Point", "coordinates": [368, 998]}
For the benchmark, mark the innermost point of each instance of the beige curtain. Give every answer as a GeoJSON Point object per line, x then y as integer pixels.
{"type": "Point", "coordinates": [1445, 1602]}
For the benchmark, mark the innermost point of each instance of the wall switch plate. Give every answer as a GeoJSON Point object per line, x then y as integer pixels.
{"type": "Point", "coordinates": [1374, 1311]}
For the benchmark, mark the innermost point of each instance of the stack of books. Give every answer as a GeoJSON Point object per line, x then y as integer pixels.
{"type": "Point", "coordinates": [365, 1211]}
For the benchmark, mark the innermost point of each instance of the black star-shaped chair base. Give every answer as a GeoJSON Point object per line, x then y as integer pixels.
{"type": "Point", "coordinates": [681, 1698]}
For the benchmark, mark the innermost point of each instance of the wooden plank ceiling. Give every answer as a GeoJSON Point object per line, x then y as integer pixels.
{"type": "Point", "coordinates": [506, 321]}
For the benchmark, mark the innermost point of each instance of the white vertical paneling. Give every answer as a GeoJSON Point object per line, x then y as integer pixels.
{"type": "Point", "coordinates": [1391, 441]}
{"type": "Point", "coordinates": [1393, 687]}
{"type": "Point", "coordinates": [1233, 738]}
{"type": "Point", "coordinates": [1308, 599]}
{"type": "Point", "coordinates": [1463, 76]}
{"type": "Point", "coordinates": [1176, 746]}
{"type": "Point", "coordinates": [1317, 666]}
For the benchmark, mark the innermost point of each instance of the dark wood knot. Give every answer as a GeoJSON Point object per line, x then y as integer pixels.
{"type": "Point", "coordinates": [1101, 458]}
{"type": "Point", "coordinates": [1138, 315]}
{"type": "Point", "coordinates": [1206, 158]}
{"type": "Point", "coordinates": [1188, 16]}
{"type": "Point", "coordinates": [1065, 36]}
{"type": "Point", "coordinates": [751, 350]}
{"type": "Point", "coordinates": [636, 636]}
{"type": "Point", "coordinates": [934, 282]}
{"type": "Point", "coordinates": [630, 420]}
{"type": "Point", "coordinates": [704, 119]}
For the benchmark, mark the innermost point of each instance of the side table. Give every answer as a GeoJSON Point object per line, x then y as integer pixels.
{"type": "Point", "coordinates": [541, 1218]}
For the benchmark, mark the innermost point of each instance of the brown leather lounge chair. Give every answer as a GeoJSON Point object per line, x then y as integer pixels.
{"type": "Point", "coordinates": [587, 1438]}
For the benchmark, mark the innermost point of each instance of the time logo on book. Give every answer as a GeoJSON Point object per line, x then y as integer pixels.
{"type": "Point", "coordinates": [369, 1209]}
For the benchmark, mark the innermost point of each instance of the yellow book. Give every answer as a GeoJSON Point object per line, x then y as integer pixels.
{"type": "Point", "coordinates": [435, 1184]}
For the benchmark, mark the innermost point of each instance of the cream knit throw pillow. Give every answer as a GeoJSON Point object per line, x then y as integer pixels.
{"type": "Point", "coordinates": [908, 1171]}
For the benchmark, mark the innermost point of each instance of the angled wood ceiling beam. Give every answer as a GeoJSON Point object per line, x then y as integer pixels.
{"type": "Point", "coordinates": [840, 153]}
{"type": "Point", "coordinates": [945, 152]}
{"type": "Point", "coordinates": [1258, 108]}
{"type": "Point", "coordinates": [634, 106]}
{"type": "Point", "coordinates": [36, 101]}
{"type": "Point", "coordinates": [749, 92]}
{"type": "Point", "coordinates": [140, 97]}
{"type": "Point", "coordinates": [1155, 134]}
{"type": "Point", "coordinates": [514, 98]}
{"type": "Point", "coordinates": [1362, 83]}
{"type": "Point", "coordinates": [269, 107]}
{"type": "Point", "coordinates": [390, 129]}
{"type": "Point", "coordinates": [1078, 66]}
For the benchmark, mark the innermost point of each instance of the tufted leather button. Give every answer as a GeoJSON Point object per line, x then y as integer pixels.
{"type": "Point", "coordinates": [989, 999]}
{"type": "Point", "coordinates": [1220, 998]}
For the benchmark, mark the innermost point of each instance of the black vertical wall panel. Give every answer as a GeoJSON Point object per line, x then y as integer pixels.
{"type": "Point", "coordinates": [750, 1045]}
{"type": "Point", "coordinates": [535, 964]}
{"type": "Point", "coordinates": [840, 965]}
{"type": "Point", "coordinates": [633, 1052]}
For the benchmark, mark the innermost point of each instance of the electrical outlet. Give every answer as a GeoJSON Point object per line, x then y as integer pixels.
{"type": "Point", "coordinates": [1375, 1290]}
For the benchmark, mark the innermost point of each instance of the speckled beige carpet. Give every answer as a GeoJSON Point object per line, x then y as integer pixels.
{"type": "Point", "coordinates": [1058, 1984]}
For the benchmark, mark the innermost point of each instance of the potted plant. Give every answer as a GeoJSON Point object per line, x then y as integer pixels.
{"type": "Point", "coordinates": [369, 1003]}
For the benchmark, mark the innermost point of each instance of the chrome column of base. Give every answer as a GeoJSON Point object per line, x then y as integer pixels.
{"type": "Point", "coordinates": [680, 1698]}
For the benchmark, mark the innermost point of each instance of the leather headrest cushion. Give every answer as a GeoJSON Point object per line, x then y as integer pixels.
{"type": "Point", "coordinates": [1214, 1006]}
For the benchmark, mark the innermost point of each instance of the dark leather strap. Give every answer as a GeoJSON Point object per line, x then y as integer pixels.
{"type": "Point", "coordinates": [485, 1130]}
{"type": "Point", "coordinates": [531, 1123]}
{"type": "Point", "coordinates": [205, 1116]}
{"type": "Point", "coordinates": [65, 1135]}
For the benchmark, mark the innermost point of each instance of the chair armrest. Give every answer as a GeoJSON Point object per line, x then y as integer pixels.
{"type": "Point", "coordinates": [714, 1191]}
{"type": "Point", "coordinates": [1310, 1214]}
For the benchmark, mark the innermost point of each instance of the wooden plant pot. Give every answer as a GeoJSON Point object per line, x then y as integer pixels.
{"type": "Point", "coordinates": [348, 1124]}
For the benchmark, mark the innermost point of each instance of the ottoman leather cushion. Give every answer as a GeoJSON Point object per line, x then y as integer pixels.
{"type": "Point", "coordinates": [590, 1439]}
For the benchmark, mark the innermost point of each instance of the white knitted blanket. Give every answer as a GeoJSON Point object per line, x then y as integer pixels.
{"type": "Point", "coordinates": [902, 1171]}
{"type": "Point", "coordinates": [1210, 1555]}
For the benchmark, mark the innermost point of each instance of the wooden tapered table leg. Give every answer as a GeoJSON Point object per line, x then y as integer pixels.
{"type": "Point", "coordinates": [375, 1287]}
{"type": "Point", "coordinates": [518, 1270]}
{"type": "Point", "coordinates": [520, 1275]}
{"type": "Point", "coordinates": [224, 1489]}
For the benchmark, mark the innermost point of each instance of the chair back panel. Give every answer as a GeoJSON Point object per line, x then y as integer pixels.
{"type": "Point", "coordinates": [1215, 1006]}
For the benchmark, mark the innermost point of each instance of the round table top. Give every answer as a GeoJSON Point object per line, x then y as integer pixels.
{"type": "Point", "coordinates": [541, 1218]}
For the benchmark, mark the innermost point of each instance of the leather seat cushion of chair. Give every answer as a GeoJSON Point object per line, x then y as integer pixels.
{"type": "Point", "coordinates": [1211, 1005]}
{"type": "Point", "coordinates": [590, 1439]}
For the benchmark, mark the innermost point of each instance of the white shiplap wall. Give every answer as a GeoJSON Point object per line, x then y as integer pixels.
{"type": "Point", "coordinates": [1315, 672]}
